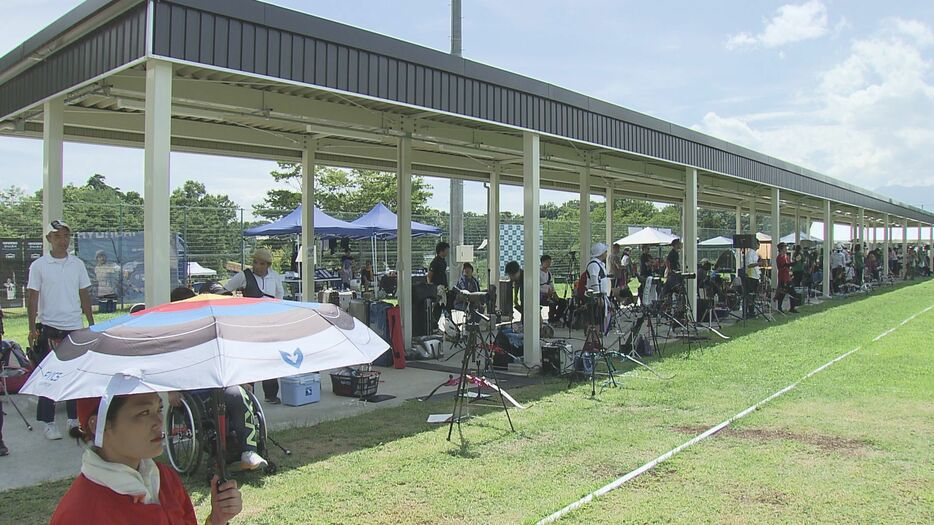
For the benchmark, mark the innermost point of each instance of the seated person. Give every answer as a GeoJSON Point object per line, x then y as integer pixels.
{"type": "Point", "coordinates": [549, 296]}
{"type": "Point", "coordinates": [367, 279]}
{"type": "Point", "coordinates": [239, 408]}
{"type": "Point", "coordinates": [466, 283]}
{"type": "Point", "coordinates": [120, 482]}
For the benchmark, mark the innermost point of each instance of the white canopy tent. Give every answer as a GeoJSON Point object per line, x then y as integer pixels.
{"type": "Point", "coordinates": [196, 270]}
{"type": "Point", "coordinates": [649, 236]}
{"type": "Point", "coordinates": [716, 242]}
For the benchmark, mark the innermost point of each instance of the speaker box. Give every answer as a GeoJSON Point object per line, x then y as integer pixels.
{"type": "Point", "coordinates": [744, 241]}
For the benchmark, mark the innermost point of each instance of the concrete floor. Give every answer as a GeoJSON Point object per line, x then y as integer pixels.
{"type": "Point", "coordinates": [34, 459]}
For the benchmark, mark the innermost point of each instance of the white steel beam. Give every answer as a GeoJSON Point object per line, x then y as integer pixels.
{"type": "Point", "coordinates": [457, 226]}
{"type": "Point", "coordinates": [493, 227]}
{"type": "Point", "coordinates": [156, 181]}
{"type": "Point", "coordinates": [776, 235]}
{"type": "Point", "coordinates": [862, 229]}
{"type": "Point", "coordinates": [586, 234]}
{"type": "Point", "coordinates": [828, 247]}
{"type": "Point", "coordinates": [404, 244]}
{"type": "Point", "coordinates": [737, 254]}
{"type": "Point", "coordinates": [905, 247]}
{"type": "Point", "coordinates": [610, 198]}
{"type": "Point", "coordinates": [53, 133]}
{"type": "Point", "coordinates": [689, 242]}
{"type": "Point", "coordinates": [531, 307]}
{"type": "Point", "coordinates": [308, 220]}
{"type": "Point", "coordinates": [886, 239]}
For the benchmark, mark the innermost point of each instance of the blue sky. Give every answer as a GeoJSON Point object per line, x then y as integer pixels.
{"type": "Point", "coordinates": [846, 88]}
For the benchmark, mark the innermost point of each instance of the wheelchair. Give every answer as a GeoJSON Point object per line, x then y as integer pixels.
{"type": "Point", "coordinates": [191, 433]}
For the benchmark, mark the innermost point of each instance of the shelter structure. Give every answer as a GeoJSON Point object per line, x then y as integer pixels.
{"type": "Point", "coordinates": [248, 79]}
{"type": "Point", "coordinates": [381, 223]}
{"type": "Point", "coordinates": [325, 226]}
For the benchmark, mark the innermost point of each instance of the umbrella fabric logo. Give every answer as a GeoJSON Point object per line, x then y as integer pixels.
{"type": "Point", "coordinates": [295, 358]}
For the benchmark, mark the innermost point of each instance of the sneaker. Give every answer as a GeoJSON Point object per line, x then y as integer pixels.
{"type": "Point", "coordinates": [250, 460]}
{"type": "Point", "coordinates": [70, 424]}
{"type": "Point", "coordinates": [3, 450]}
{"type": "Point", "coordinates": [273, 400]}
{"type": "Point", "coordinates": [51, 432]}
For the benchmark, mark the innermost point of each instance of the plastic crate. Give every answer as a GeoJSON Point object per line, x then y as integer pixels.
{"type": "Point", "coordinates": [355, 384]}
{"type": "Point", "coordinates": [301, 389]}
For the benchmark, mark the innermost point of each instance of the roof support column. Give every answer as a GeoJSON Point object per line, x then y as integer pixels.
{"type": "Point", "coordinates": [531, 185]}
{"type": "Point", "coordinates": [308, 220]}
{"type": "Point", "coordinates": [53, 139]}
{"type": "Point", "coordinates": [457, 226]}
{"type": "Point", "coordinates": [753, 227]}
{"type": "Point", "coordinates": [862, 229]}
{"type": "Point", "coordinates": [776, 235]}
{"type": "Point", "coordinates": [610, 198]}
{"type": "Point", "coordinates": [797, 226]}
{"type": "Point", "coordinates": [886, 239]}
{"type": "Point", "coordinates": [737, 255]}
{"type": "Point", "coordinates": [828, 247]}
{"type": "Point", "coordinates": [404, 235]}
{"type": "Point", "coordinates": [586, 233]}
{"type": "Point", "coordinates": [493, 227]}
{"type": "Point", "coordinates": [920, 244]}
{"type": "Point", "coordinates": [905, 247]}
{"type": "Point", "coordinates": [156, 181]}
{"type": "Point", "coordinates": [931, 247]}
{"type": "Point", "coordinates": [690, 235]}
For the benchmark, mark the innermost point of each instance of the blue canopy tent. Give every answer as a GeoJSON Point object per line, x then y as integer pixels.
{"type": "Point", "coordinates": [325, 226]}
{"type": "Point", "coordinates": [382, 224]}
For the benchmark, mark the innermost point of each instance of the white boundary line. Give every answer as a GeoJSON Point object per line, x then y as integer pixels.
{"type": "Point", "coordinates": [709, 432]}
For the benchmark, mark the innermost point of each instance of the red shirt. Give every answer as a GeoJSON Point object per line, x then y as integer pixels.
{"type": "Point", "coordinates": [784, 263]}
{"type": "Point", "coordinates": [88, 502]}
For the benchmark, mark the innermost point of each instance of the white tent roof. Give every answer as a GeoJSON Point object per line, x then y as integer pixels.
{"type": "Point", "coordinates": [763, 237]}
{"type": "Point", "coordinates": [717, 242]}
{"type": "Point", "coordinates": [647, 236]}
{"type": "Point", "coordinates": [804, 237]}
{"type": "Point", "coordinates": [196, 270]}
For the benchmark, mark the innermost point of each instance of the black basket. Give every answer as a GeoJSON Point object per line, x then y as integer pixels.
{"type": "Point", "coordinates": [361, 384]}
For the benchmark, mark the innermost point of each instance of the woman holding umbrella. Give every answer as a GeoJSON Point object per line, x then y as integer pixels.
{"type": "Point", "coordinates": [119, 481]}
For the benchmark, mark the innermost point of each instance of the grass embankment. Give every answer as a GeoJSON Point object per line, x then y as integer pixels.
{"type": "Point", "coordinates": [850, 442]}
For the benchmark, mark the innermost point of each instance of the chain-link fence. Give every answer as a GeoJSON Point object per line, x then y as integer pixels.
{"type": "Point", "coordinates": [109, 238]}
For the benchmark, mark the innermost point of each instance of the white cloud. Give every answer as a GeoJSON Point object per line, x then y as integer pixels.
{"type": "Point", "coordinates": [869, 119]}
{"type": "Point", "coordinates": [791, 23]}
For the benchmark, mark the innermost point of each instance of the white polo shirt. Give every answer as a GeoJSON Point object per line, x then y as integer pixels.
{"type": "Point", "coordinates": [58, 282]}
{"type": "Point", "coordinates": [270, 284]}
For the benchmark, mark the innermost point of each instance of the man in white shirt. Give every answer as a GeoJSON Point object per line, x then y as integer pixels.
{"type": "Point", "coordinates": [260, 281]}
{"type": "Point", "coordinates": [58, 295]}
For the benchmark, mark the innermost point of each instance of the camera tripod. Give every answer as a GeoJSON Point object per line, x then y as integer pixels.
{"type": "Point", "coordinates": [628, 350]}
{"type": "Point", "coordinates": [476, 350]}
{"type": "Point", "coordinates": [593, 349]}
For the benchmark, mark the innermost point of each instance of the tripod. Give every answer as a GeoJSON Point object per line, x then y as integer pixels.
{"type": "Point", "coordinates": [477, 349]}
{"type": "Point", "coordinates": [571, 277]}
{"type": "Point", "coordinates": [5, 372]}
{"type": "Point", "coordinates": [628, 350]}
{"type": "Point", "coordinates": [593, 348]}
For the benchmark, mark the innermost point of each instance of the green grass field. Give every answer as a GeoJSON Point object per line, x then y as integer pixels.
{"type": "Point", "coordinates": [850, 445]}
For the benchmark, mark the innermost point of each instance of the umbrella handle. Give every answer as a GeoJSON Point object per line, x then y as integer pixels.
{"type": "Point", "coordinates": [220, 412]}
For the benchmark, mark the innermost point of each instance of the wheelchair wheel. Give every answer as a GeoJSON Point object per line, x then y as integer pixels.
{"type": "Point", "coordinates": [183, 440]}
{"type": "Point", "coordinates": [259, 422]}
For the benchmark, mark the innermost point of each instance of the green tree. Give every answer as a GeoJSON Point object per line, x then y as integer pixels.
{"type": "Point", "coordinates": [209, 224]}
{"type": "Point", "coordinates": [337, 189]}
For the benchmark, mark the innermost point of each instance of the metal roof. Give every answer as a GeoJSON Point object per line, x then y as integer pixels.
{"type": "Point", "coordinates": [258, 40]}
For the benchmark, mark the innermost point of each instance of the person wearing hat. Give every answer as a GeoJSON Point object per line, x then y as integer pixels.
{"type": "Point", "coordinates": [58, 295]}
{"type": "Point", "coordinates": [260, 281]}
{"type": "Point", "coordinates": [596, 268]}
{"type": "Point", "coordinates": [120, 482]}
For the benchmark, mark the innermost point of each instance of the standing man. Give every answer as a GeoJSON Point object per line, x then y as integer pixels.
{"type": "Point", "coordinates": [785, 287]}
{"type": "Point", "coordinates": [438, 276]}
{"type": "Point", "coordinates": [750, 278]}
{"type": "Point", "coordinates": [645, 268]}
{"type": "Point", "coordinates": [673, 268]}
{"type": "Point", "coordinates": [614, 264]}
{"type": "Point", "coordinates": [626, 265]}
{"type": "Point", "coordinates": [260, 281]}
{"type": "Point", "coordinates": [58, 294]}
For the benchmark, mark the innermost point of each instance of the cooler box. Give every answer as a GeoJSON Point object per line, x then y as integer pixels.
{"type": "Point", "coordinates": [300, 390]}
{"type": "Point", "coordinates": [343, 300]}
{"type": "Point", "coordinates": [359, 309]}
